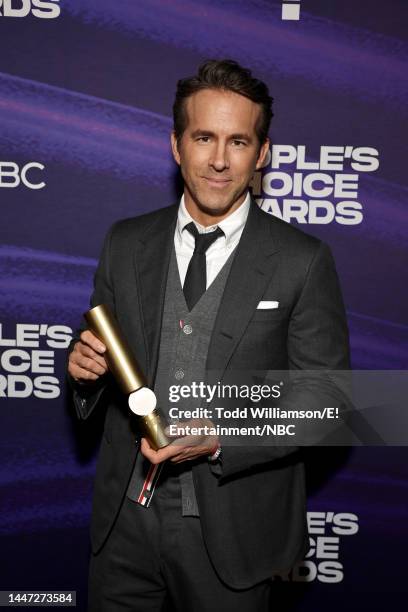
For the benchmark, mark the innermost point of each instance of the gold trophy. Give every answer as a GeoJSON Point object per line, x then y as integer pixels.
{"type": "Point", "coordinates": [125, 369]}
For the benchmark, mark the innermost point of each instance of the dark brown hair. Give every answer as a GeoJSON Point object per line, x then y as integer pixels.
{"type": "Point", "coordinates": [225, 75]}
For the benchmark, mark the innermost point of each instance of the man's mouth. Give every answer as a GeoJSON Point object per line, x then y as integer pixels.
{"type": "Point", "coordinates": [217, 182]}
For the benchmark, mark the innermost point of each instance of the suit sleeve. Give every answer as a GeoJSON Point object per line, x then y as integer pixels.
{"type": "Point", "coordinates": [317, 344]}
{"type": "Point", "coordinates": [86, 396]}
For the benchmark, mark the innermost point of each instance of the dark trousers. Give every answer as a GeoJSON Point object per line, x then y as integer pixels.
{"type": "Point", "coordinates": [155, 559]}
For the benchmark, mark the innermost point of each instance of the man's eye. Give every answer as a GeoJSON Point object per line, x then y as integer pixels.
{"type": "Point", "coordinates": [238, 143]}
{"type": "Point", "coordinates": [203, 139]}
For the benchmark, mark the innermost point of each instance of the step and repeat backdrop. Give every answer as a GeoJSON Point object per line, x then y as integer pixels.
{"type": "Point", "coordinates": [86, 90]}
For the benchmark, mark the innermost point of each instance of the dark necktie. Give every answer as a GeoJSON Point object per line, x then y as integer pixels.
{"type": "Point", "coordinates": [196, 278]}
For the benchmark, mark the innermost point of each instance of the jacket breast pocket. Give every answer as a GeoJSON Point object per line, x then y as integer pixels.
{"type": "Point", "coordinates": [270, 314]}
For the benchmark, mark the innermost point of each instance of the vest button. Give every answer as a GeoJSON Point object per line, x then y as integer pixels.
{"type": "Point", "coordinates": [179, 374]}
{"type": "Point", "coordinates": [187, 329]}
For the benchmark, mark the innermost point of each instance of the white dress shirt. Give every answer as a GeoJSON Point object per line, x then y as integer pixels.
{"type": "Point", "coordinates": [218, 253]}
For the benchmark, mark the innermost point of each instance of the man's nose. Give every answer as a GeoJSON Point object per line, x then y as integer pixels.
{"type": "Point", "coordinates": [219, 159]}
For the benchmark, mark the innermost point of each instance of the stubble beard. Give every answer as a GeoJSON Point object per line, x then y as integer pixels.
{"type": "Point", "coordinates": [217, 210]}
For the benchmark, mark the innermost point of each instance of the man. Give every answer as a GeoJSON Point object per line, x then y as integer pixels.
{"type": "Point", "coordinates": [223, 518]}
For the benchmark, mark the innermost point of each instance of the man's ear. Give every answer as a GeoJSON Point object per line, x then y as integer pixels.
{"type": "Point", "coordinates": [263, 152]}
{"type": "Point", "coordinates": [174, 147]}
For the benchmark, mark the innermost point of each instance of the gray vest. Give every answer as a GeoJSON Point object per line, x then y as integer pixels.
{"type": "Point", "coordinates": [184, 342]}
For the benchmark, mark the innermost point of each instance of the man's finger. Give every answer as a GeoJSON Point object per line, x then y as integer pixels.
{"type": "Point", "coordinates": [87, 351]}
{"type": "Point", "coordinates": [188, 454]}
{"type": "Point", "coordinates": [152, 455]}
{"type": "Point", "coordinates": [79, 373]}
{"type": "Point", "coordinates": [160, 455]}
{"type": "Point", "coordinates": [195, 442]}
{"type": "Point", "coordinates": [87, 337]}
{"type": "Point", "coordinates": [86, 363]}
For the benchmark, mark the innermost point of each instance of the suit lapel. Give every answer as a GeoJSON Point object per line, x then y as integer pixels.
{"type": "Point", "coordinates": [251, 271]}
{"type": "Point", "coordinates": [151, 262]}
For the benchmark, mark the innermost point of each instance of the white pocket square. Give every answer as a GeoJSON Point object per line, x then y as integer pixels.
{"type": "Point", "coordinates": [267, 305]}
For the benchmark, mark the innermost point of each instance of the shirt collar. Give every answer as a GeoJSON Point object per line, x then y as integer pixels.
{"type": "Point", "coordinates": [232, 225]}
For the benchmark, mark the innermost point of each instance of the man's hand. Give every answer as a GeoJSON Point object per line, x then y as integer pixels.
{"type": "Point", "coordinates": [86, 361]}
{"type": "Point", "coordinates": [183, 447]}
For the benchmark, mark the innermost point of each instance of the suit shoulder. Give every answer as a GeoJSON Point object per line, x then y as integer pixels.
{"type": "Point", "coordinates": [291, 237]}
{"type": "Point", "coordinates": [132, 227]}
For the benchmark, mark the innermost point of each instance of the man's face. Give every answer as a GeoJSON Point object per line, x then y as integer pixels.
{"type": "Point", "coordinates": [218, 153]}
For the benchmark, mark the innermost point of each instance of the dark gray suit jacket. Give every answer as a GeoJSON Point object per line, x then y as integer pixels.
{"type": "Point", "coordinates": [253, 516]}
